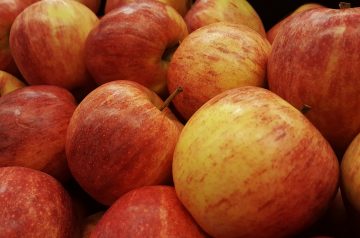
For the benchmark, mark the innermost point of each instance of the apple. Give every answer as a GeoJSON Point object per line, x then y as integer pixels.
{"type": "Point", "coordinates": [248, 164]}
{"type": "Point", "coordinates": [139, 48]}
{"type": "Point", "coordinates": [204, 12]}
{"type": "Point", "coordinates": [150, 211]}
{"type": "Point", "coordinates": [272, 32]}
{"type": "Point", "coordinates": [118, 139]}
{"type": "Point", "coordinates": [181, 6]}
{"type": "Point", "coordinates": [90, 222]}
{"type": "Point", "coordinates": [33, 127]}
{"type": "Point", "coordinates": [318, 66]}
{"type": "Point", "coordinates": [9, 9]}
{"type": "Point", "coordinates": [9, 83]}
{"type": "Point", "coordinates": [33, 204]}
{"type": "Point", "coordinates": [47, 41]}
{"type": "Point", "coordinates": [214, 58]}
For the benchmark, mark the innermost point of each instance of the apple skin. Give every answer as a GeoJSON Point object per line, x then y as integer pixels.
{"type": "Point", "coordinates": [118, 140]}
{"type": "Point", "coordinates": [9, 83]}
{"type": "Point", "coordinates": [272, 32]}
{"type": "Point", "coordinates": [90, 223]}
{"type": "Point", "coordinates": [33, 127]}
{"type": "Point", "coordinates": [47, 41]}
{"type": "Point", "coordinates": [93, 5]}
{"type": "Point", "coordinates": [310, 65]}
{"type": "Point", "coordinates": [248, 164]}
{"type": "Point", "coordinates": [150, 211]}
{"type": "Point", "coordinates": [217, 57]}
{"type": "Point", "coordinates": [204, 12]}
{"type": "Point", "coordinates": [33, 204]}
{"type": "Point", "coordinates": [136, 49]}
{"type": "Point", "coordinates": [181, 6]}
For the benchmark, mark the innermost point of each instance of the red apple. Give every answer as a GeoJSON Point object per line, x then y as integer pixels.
{"type": "Point", "coordinates": [272, 32]}
{"type": "Point", "coordinates": [33, 127]}
{"type": "Point", "coordinates": [214, 58]}
{"type": "Point", "coordinates": [318, 65]}
{"type": "Point", "coordinates": [33, 204]}
{"type": "Point", "coordinates": [9, 83]}
{"type": "Point", "coordinates": [204, 12]}
{"type": "Point", "coordinates": [47, 42]}
{"type": "Point", "coordinates": [138, 48]}
{"type": "Point", "coordinates": [151, 211]}
{"type": "Point", "coordinates": [248, 164]}
{"type": "Point", "coordinates": [118, 140]}
{"type": "Point", "coordinates": [181, 6]}
{"type": "Point", "coordinates": [9, 9]}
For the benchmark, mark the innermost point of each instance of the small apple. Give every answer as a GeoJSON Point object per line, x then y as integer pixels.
{"type": "Point", "coordinates": [33, 127]}
{"type": "Point", "coordinates": [204, 12]}
{"type": "Point", "coordinates": [139, 48]}
{"type": "Point", "coordinates": [181, 6]}
{"type": "Point", "coordinates": [248, 164]}
{"type": "Point", "coordinates": [47, 41]}
{"type": "Point", "coordinates": [272, 32]}
{"type": "Point", "coordinates": [9, 83]}
{"type": "Point", "coordinates": [318, 65]}
{"type": "Point", "coordinates": [118, 139]}
{"type": "Point", "coordinates": [150, 211]}
{"type": "Point", "coordinates": [214, 58]}
{"type": "Point", "coordinates": [33, 204]}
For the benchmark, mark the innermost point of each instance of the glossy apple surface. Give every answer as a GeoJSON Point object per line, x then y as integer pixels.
{"type": "Point", "coordinates": [248, 164]}
{"type": "Point", "coordinates": [150, 211]}
{"type": "Point", "coordinates": [33, 127]}
{"type": "Point", "coordinates": [318, 66]}
{"type": "Point", "coordinates": [138, 49]}
{"type": "Point", "coordinates": [217, 57]}
{"type": "Point", "coordinates": [119, 140]}
{"type": "Point", "coordinates": [47, 42]}
{"type": "Point", "coordinates": [33, 204]}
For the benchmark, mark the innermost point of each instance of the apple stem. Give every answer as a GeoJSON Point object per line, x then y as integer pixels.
{"type": "Point", "coordinates": [305, 108]}
{"type": "Point", "coordinates": [344, 5]}
{"type": "Point", "coordinates": [171, 97]}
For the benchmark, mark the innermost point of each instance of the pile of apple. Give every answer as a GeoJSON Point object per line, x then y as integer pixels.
{"type": "Point", "coordinates": [176, 118]}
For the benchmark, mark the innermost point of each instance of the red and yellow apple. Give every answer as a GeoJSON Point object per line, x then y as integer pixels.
{"type": "Point", "coordinates": [248, 164]}
{"type": "Point", "coordinates": [33, 204]}
{"type": "Point", "coordinates": [150, 211]}
{"type": "Point", "coordinates": [181, 6]}
{"type": "Point", "coordinates": [9, 83]}
{"type": "Point", "coordinates": [118, 140]}
{"type": "Point", "coordinates": [33, 127]}
{"type": "Point", "coordinates": [318, 65]}
{"type": "Point", "coordinates": [47, 41]}
{"type": "Point", "coordinates": [204, 12]}
{"type": "Point", "coordinates": [214, 58]}
{"type": "Point", "coordinates": [138, 48]}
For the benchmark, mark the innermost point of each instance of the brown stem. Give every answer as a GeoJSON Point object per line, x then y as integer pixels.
{"type": "Point", "coordinates": [344, 5]}
{"type": "Point", "coordinates": [171, 97]}
{"type": "Point", "coordinates": [305, 108]}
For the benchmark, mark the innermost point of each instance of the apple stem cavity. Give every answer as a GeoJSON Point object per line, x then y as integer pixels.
{"type": "Point", "coordinates": [344, 5]}
{"type": "Point", "coordinates": [306, 108]}
{"type": "Point", "coordinates": [170, 98]}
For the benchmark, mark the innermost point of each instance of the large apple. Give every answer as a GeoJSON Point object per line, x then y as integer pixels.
{"type": "Point", "coordinates": [248, 164]}
{"type": "Point", "coordinates": [33, 204]}
{"type": "Point", "coordinates": [204, 12]}
{"type": "Point", "coordinates": [272, 32]}
{"type": "Point", "coordinates": [33, 127]}
{"type": "Point", "coordinates": [47, 41]}
{"type": "Point", "coordinates": [319, 65]}
{"type": "Point", "coordinates": [9, 83]}
{"type": "Point", "coordinates": [181, 6]}
{"type": "Point", "coordinates": [150, 211]}
{"type": "Point", "coordinates": [139, 48]}
{"type": "Point", "coordinates": [214, 58]}
{"type": "Point", "coordinates": [118, 139]}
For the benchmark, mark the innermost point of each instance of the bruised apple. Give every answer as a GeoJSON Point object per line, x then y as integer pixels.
{"type": "Point", "coordinates": [119, 139]}
{"type": "Point", "coordinates": [248, 164]}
